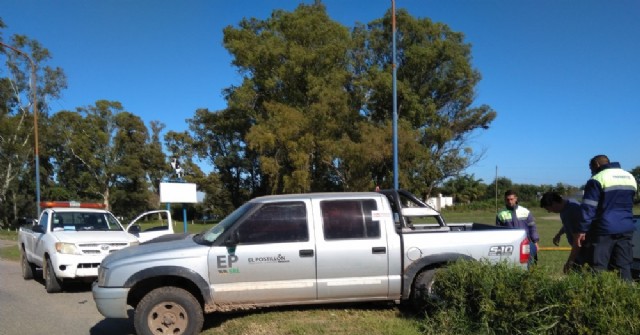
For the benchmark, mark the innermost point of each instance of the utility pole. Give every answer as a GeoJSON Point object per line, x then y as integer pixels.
{"type": "Point", "coordinates": [34, 108]}
{"type": "Point", "coordinates": [395, 97]}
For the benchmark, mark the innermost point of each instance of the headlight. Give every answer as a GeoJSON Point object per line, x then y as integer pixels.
{"type": "Point", "coordinates": [134, 243]}
{"type": "Point", "coordinates": [67, 248]}
{"type": "Point", "coordinates": [101, 275]}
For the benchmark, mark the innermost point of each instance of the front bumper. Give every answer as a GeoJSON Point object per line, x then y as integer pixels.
{"type": "Point", "coordinates": [111, 301]}
{"type": "Point", "coordinates": [76, 266]}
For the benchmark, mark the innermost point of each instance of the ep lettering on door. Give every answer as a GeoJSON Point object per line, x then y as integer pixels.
{"type": "Point", "coordinates": [225, 264]}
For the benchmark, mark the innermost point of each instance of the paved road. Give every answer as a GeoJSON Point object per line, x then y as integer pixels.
{"type": "Point", "coordinates": [27, 309]}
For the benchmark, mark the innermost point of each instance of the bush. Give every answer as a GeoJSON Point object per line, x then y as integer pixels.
{"type": "Point", "coordinates": [481, 298]}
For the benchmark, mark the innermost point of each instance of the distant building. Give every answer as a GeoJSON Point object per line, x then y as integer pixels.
{"type": "Point", "coordinates": [440, 202]}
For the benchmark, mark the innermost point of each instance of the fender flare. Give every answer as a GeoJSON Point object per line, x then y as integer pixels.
{"type": "Point", "coordinates": [177, 271]}
{"type": "Point", "coordinates": [427, 262]}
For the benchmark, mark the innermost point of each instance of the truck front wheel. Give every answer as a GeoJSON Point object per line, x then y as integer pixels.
{"type": "Point", "coordinates": [51, 282]}
{"type": "Point", "coordinates": [168, 310]}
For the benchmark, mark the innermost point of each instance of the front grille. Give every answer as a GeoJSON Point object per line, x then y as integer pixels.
{"type": "Point", "coordinates": [110, 244]}
{"type": "Point", "coordinates": [100, 248]}
{"type": "Point", "coordinates": [88, 265]}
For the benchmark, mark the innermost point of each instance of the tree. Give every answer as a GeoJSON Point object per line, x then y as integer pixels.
{"type": "Point", "coordinates": [436, 90]}
{"type": "Point", "coordinates": [464, 189]}
{"type": "Point", "coordinates": [16, 120]}
{"type": "Point", "coordinates": [316, 110]}
{"type": "Point", "coordinates": [106, 154]}
{"type": "Point", "coordinates": [299, 96]}
{"type": "Point", "coordinates": [131, 188]}
{"type": "Point", "coordinates": [219, 138]}
{"type": "Point", "coordinates": [155, 163]}
{"type": "Point", "coordinates": [636, 173]}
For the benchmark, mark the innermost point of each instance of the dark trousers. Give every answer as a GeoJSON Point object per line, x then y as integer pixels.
{"type": "Point", "coordinates": [613, 252]}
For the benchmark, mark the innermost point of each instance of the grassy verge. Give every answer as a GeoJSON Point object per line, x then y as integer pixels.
{"type": "Point", "coordinates": [11, 253]}
{"type": "Point", "coordinates": [371, 319]}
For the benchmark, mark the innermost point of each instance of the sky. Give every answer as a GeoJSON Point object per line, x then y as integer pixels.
{"type": "Point", "coordinates": [562, 75]}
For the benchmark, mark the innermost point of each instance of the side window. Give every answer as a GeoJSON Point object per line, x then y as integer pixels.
{"type": "Point", "coordinates": [275, 223]}
{"type": "Point", "coordinates": [349, 219]}
{"type": "Point", "coordinates": [44, 220]}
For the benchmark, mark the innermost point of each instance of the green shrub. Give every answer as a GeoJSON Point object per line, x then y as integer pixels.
{"type": "Point", "coordinates": [481, 298]}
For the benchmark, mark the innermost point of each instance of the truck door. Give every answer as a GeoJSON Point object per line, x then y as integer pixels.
{"type": "Point", "coordinates": [150, 225]}
{"type": "Point", "coordinates": [272, 260]}
{"type": "Point", "coordinates": [38, 245]}
{"type": "Point", "coordinates": [352, 252]}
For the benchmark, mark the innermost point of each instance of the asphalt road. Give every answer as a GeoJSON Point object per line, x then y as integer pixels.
{"type": "Point", "coordinates": [27, 309]}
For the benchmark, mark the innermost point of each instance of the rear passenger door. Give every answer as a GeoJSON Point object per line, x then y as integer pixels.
{"type": "Point", "coordinates": [352, 253]}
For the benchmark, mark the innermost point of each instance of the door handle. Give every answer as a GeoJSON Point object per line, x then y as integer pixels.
{"type": "Point", "coordinates": [378, 250]}
{"type": "Point", "coordinates": [306, 253]}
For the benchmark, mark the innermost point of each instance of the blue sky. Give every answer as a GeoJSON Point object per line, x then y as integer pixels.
{"type": "Point", "coordinates": [563, 75]}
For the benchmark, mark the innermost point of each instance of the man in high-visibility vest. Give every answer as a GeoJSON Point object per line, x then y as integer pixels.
{"type": "Point", "coordinates": [516, 216]}
{"type": "Point", "coordinates": [607, 216]}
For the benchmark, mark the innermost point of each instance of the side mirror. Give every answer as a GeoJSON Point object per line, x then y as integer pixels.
{"type": "Point", "coordinates": [135, 229]}
{"type": "Point", "coordinates": [233, 239]}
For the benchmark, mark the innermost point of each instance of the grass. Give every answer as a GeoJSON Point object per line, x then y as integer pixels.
{"type": "Point", "coordinates": [371, 319]}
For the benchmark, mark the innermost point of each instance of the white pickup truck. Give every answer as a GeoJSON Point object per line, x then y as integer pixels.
{"type": "Point", "coordinates": [291, 250]}
{"type": "Point", "coordinates": [70, 239]}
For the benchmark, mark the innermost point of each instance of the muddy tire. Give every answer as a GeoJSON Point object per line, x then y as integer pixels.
{"type": "Point", "coordinates": [28, 268]}
{"type": "Point", "coordinates": [422, 290]}
{"type": "Point", "coordinates": [51, 282]}
{"type": "Point", "coordinates": [168, 310]}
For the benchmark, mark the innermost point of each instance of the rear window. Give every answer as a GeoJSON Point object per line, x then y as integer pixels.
{"type": "Point", "coordinates": [349, 219]}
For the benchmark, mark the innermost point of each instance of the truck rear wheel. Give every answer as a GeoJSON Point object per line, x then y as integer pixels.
{"type": "Point", "coordinates": [423, 288]}
{"type": "Point", "coordinates": [168, 310]}
{"type": "Point", "coordinates": [28, 268]}
{"type": "Point", "coordinates": [51, 282]}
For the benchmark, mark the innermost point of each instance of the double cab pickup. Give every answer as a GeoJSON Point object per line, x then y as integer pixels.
{"type": "Point", "coordinates": [291, 250]}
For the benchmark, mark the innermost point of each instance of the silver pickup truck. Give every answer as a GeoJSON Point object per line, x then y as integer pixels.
{"type": "Point", "coordinates": [291, 250]}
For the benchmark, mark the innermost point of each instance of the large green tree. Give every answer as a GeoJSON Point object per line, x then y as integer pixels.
{"type": "Point", "coordinates": [314, 106]}
{"type": "Point", "coordinates": [105, 153]}
{"type": "Point", "coordinates": [301, 104]}
{"type": "Point", "coordinates": [436, 90]}
{"type": "Point", "coordinates": [218, 138]}
{"type": "Point", "coordinates": [23, 56]}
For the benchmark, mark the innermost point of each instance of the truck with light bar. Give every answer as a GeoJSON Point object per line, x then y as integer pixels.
{"type": "Point", "coordinates": [296, 249]}
{"type": "Point", "coordinates": [70, 240]}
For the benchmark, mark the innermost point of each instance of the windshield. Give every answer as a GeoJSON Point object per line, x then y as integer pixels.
{"type": "Point", "coordinates": [213, 233]}
{"type": "Point", "coordinates": [82, 221]}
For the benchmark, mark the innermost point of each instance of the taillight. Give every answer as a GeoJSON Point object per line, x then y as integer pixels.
{"type": "Point", "coordinates": [525, 251]}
